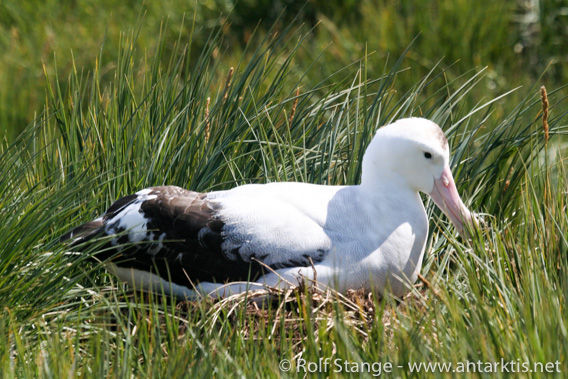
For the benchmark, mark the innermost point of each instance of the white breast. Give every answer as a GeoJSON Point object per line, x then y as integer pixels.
{"type": "Point", "coordinates": [369, 240]}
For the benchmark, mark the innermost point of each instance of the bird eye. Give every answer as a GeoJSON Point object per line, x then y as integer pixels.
{"type": "Point", "coordinates": [427, 155]}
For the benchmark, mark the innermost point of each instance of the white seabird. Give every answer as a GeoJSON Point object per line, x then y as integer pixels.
{"type": "Point", "coordinates": [371, 235]}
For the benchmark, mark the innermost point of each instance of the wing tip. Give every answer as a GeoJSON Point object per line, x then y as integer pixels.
{"type": "Point", "coordinates": [82, 232]}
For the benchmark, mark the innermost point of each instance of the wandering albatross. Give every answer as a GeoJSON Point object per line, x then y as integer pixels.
{"type": "Point", "coordinates": [371, 235]}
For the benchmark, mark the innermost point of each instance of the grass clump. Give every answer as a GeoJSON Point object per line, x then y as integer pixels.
{"type": "Point", "coordinates": [201, 125]}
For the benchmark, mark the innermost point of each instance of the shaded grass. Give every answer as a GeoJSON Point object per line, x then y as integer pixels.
{"type": "Point", "coordinates": [501, 295]}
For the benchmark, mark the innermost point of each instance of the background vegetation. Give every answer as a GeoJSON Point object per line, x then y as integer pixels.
{"type": "Point", "coordinates": [515, 40]}
{"type": "Point", "coordinates": [99, 100]}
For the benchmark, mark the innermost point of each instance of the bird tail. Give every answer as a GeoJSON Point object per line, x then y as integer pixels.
{"type": "Point", "coordinates": [84, 232]}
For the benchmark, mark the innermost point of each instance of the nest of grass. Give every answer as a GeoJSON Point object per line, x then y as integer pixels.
{"type": "Point", "coordinates": [298, 313]}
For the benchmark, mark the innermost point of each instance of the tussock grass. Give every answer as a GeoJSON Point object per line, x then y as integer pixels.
{"type": "Point", "coordinates": [501, 295]}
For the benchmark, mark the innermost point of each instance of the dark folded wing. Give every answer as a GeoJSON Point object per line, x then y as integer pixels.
{"type": "Point", "coordinates": [176, 234]}
{"type": "Point", "coordinates": [169, 231]}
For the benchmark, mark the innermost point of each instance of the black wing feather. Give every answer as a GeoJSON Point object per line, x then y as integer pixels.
{"type": "Point", "coordinates": [191, 234]}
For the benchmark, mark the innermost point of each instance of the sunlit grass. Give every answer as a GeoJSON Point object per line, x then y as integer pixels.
{"type": "Point", "coordinates": [501, 295]}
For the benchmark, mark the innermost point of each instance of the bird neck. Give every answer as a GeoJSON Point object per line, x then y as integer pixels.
{"type": "Point", "coordinates": [387, 182]}
{"type": "Point", "coordinates": [392, 196]}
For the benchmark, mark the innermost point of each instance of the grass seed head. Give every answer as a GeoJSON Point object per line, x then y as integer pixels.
{"type": "Point", "coordinates": [544, 101]}
{"type": "Point", "coordinates": [207, 121]}
{"type": "Point", "coordinates": [293, 111]}
{"type": "Point", "coordinates": [228, 84]}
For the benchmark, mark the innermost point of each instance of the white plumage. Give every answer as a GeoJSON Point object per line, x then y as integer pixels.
{"type": "Point", "coordinates": [371, 235]}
